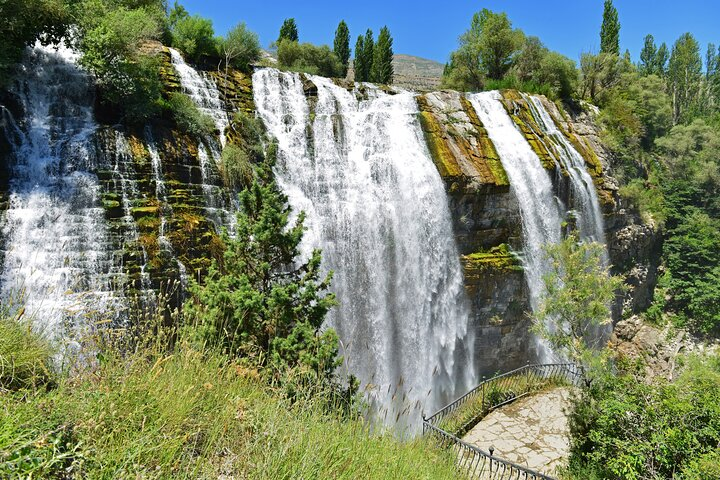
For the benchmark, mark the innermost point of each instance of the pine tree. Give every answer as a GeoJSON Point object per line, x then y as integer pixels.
{"type": "Point", "coordinates": [368, 54]}
{"type": "Point", "coordinates": [341, 46]}
{"type": "Point", "coordinates": [259, 300]}
{"type": "Point", "coordinates": [382, 68]}
{"type": "Point", "coordinates": [647, 56]}
{"type": "Point", "coordinates": [289, 30]}
{"type": "Point", "coordinates": [610, 30]}
{"type": "Point", "coordinates": [359, 62]}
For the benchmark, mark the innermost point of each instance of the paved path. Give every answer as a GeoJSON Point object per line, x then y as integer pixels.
{"type": "Point", "coordinates": [532, 431]}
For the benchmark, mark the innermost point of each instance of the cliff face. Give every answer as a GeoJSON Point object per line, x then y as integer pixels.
{"type": "Point", "coordinates": [163, 203]}
{"type": "Point", "coordinates": [488, 224]}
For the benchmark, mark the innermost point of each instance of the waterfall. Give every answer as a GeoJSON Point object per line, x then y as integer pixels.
{"type": "Point", "coordinates": [202, 91]}
{"type": "Point", "coordinates": [57, 252]}
{"type": "Point", "coordinates": [531, 185]}
{"type": "Point", "coordinates": [377, 208]}
{"type": "Point", "coordinates": [584, 199]}
{"type": "Point", "coordinates": [206, 96]}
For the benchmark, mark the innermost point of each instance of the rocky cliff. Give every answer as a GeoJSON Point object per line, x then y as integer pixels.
{"type": "Point", "coordinates": [164, 203]}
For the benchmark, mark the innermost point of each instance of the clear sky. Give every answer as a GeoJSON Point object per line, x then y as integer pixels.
{"type": "Point", "coordinates": [430, 29]}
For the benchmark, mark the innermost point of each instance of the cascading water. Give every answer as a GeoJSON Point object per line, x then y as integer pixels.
{"type": "Point", "coordinates": [585, 199]}
{"type": "Point", "coordinates": [377, 208]}
{"type": "Point", "coordinates": [531, 185]}
{"type": "Point", "coordinates": [57, 251]}
{"type": "Point", "coordinates": [204, 93]}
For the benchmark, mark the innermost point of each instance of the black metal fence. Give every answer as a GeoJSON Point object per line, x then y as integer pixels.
{"type": "Point", "coordinates": [460, 416]}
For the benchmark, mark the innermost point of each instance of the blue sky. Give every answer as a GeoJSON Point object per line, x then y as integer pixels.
{"type": "Point", "coordinates": [430, 29]}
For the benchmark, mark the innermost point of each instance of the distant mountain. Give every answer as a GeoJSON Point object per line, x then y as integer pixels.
{"type": "Point", "coordinates": [411, 72]}
{"type": "Point", "coordinates": [417, 73]}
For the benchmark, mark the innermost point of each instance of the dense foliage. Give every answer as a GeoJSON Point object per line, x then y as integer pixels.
{"type": "Point", "coordinates": [626, 429]}
{"type": "Point", "coordinates": [289, 31]}
{"type": "Point", "coordinates": [492, 54]}
{"type": "Point", "coordinates": [308, 58]}
{"type": "Point", "coordinates": [373, 61]}
{"type": "Point", "coordinates": [610, 30]}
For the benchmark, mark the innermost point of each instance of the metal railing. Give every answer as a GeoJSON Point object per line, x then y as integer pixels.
{"type": "Point", "coordinates": [465, 412]}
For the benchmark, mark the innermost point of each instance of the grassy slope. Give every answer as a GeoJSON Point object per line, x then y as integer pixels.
{"type": "Point", "coordinates": [192, 415]}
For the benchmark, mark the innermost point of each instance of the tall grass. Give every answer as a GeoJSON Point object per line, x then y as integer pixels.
{"type": "Point", "coordinates": [158, 412]}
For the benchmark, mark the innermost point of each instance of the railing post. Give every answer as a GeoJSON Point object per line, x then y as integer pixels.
{"type": "Point", "coordinates": [527, 377]}
{"type": "Point", "coordinates": [482, 404]}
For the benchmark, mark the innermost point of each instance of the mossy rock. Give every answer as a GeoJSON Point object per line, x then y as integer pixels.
{"type": "Point", "coordinates": [498, 260]}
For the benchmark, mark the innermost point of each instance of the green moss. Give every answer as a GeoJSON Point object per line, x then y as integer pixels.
{"type": "Point", "coordinates": [499, 259]}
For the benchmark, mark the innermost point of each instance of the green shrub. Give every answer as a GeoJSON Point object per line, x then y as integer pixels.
{"type": "Point", "coordinates": [111, 40]}
{"type": "Point", "coordinates": [308, 58]}
{"type": "Point", "coordinates": [624, 428]}
{"type": "Point", "coordinates": [646, 199]}
{"type": "Point", "coordinates": [236, 169]}
{"type": "Point", "coordinates": [188, 117]}
{"type": "Point", "coordinates": [195, 37]}
{"type": "Point", "coordinates": [240, 47]}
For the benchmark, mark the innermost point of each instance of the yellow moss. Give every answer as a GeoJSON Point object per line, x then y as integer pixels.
{"type": "Point", "coordinates": [442, 156]}
{"type": "Point", "coordinates": [138, 150]}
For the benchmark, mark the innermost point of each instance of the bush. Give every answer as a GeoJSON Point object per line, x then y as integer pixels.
{"type": "Point", "coordinates": [308, 58]}
{"type": "Point", "coordinates": [236, 169]}
{"type": "Point", "coordinates": [647, 199]}
{"type": "Point", "coordinates": [188, 117]}
{"type": "Point", "coordinates": [623, 428]}
{"type": "Point", "coordinates": [194, 36]}
{"type": "Point", "coordinates": [111, 40]}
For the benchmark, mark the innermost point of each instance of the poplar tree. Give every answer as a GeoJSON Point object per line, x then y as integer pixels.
{"type": "Point", "coordinates": [341, 46]}
{"type": "Point", "coordinates": [368, 54]}
{"type": "Point", "coordinates": [685, 74]}
{"type": "Point", "coordinates": [382, 67]}
{"type": "Point", "coordinates": [647, 56]}
{"type": "Point", "coordinates": [289, 31]}
{"type": "Point", "coordinates": [661, 60]}
{"type": "Point", "coordinates": [610, 30]}
{"type": "Point", "coordinates": [359, 62]}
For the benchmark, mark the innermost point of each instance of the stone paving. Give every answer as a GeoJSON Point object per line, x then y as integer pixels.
{"type": "Point", "coordinates": [532, 432]}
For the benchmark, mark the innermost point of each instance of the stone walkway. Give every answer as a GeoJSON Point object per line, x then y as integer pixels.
{"type": "Point", "coordinates": [532, 432]}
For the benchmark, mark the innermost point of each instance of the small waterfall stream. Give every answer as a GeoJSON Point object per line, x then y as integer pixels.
{"type": "Point", "coordinates": [531, 185]}
{"type": "Point", "coordinates": [377, 208]}
{"type": "Point", "coordinates": [204, 93]}
{"type": "Point", "coordinates": [57, 251]}
{"type": "Point", "coordinates": [585, 199]}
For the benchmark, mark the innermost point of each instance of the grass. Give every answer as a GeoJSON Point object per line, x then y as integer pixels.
{"type": "Point", "coordinates": [186, 413]}
{"type": "Point", "coordinates": [24, 356]}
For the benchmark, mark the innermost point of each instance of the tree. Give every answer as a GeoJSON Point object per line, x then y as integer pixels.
{"type": "Point", "coordinates": [240, 47]}
{"type": "Point", "coordinates": [684, 74]}
{"type": "Point", "coordinates": [559, 73]}
{"type": "Point", "coordinates": [610, 30]}
{"type": "Point", "coordinates": [26, 22]}
{"type": "Point", "coordinates": [647, 56]}
{"type": "Point", "coordinates": [661, 59]}
{"type": "Point", "coordinates": [576, 305]}
{"type": "Point", "coordinates": [288, 31]}
{"type": "Point", "coordinates": [359, 66]}
{"type": "Point", "coordinates": [487, 50]}
{"type": "Point", "coordinates": [110, 41]}
{"type": "Point", "coordinates": [368, 55]}
{"type": "Point", "coordinates": [341, 45]}
{"type": "Point", "coordinates": [382, 67]}
{"type": "Point", "coordinates": [528, 61]}
{"type": "Point", "coordinates": [308, 58]}
{"type": "Point", "coordinates": [194, 36]}
{"type": "Point", "coordinates": [260, 300]}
